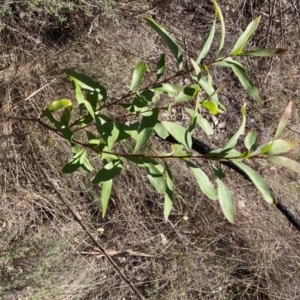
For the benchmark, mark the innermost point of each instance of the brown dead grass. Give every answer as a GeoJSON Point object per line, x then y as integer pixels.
{"type": "Point", "coordinates": [197, 254]}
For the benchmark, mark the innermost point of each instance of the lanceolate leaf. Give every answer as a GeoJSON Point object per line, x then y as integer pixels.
{"type": "Point", "coordinates": [126, 131]}
{"type": "Point", "coordinates": [257, 181]}
{"type": "Point", "coordinates": [223, 153]}
{"type": "Point", "coordinates": [188, 93]}
{"type": "Point", "coordinates": [245, 37]}
{"type": "Point", "coordinates": [285, 162]}
{"type": "Point", "coordinates": [138, 74]}
{"type": "Point", "coordinates": [264, 52]}
{"type": "Point", "coordinates": [175, 49]}
{"type": "Point", "coordinates": [109, 171]}
{"type": "Point", "coordinates": [167, 88]}
{"type": "Point", "coordinates": [232, 142]}
{"type": "Point", "coordinates": [210, 106]}
{"type": "Point", "coordinates": [202, 122]}
{"type": "Point", "coordinates": [226, 201]}
{"type": "Point", "coordinates": [57, 105]}
{"type": "Point", "coordinates": [84, 81]}
{"type": "Point", "coordinates": [154, 172]}
{"type": "Point", "coordinates": [161, 130]}
{"type": "Point", "coordinates": [197, 69]}
{"type": "Point", "coordinates": [78, 94]}
{"type": "Point", "coordinates": [105, 194]}
{"type": "Point", "coordinates": [66, 116]}
{"type": "Point", "coordinates": [220, 16]}
{"type": "Point", "coordinates": [85, 163]}
{"type": "Point", "coordinates": [211, 92]}
{"type": "Point", "coordinates": [263, 149]}
{"type": "Point", "coordinates": [205, 185]}
{"type": "Point", "coordinates": [179, 133]}
{"type": "Point", "coordinates": [218, 172]}
{"type": "Point", "coordinates": [140, 101]}
{"type": "Point", "coordinates": [72, 165]}
{"type": "Point", "coordinates": [155, 176]}
{"type": "Point", "coordinates": [108, 130]}
{"type": "Point", "coordinates": [241, 74]}
{"type": "Point", "coordinates": [149, 120]}
{"type": "Point", "coordinates": [87, 83]}
{"type": "Point", "coordinates": [169, 192]}
{"type": "Point", "coordinates": [161, 67]}
{"type": "Point", "coordinates": [205, 125]}
{"type": "Point", "coordinates": [250, 139]}
{"type": "Point", "coordinates": [90, 109]}
{"type": "Point", "coordinates": [284, 120]}
{"type": "Point", "coordinates": [207, 44]}
{"type": "Point", "coordinates": [281, 146]}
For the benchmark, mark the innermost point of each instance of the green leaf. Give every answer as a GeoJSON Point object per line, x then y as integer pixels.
{"type": "Point", "coordinates": [202, 122]}
{"type": "Point", "coordinates": [155, 176]}
{"type": "Point", "coordinates": [179, 133]}
{"type": "Point", "coordinates": [250, 139]}
{"type": "Point", "coordinates": [169, 193]}
{"type": "Point", "coordinates": [161, 66]}
{"type": "Point", "coordinates": [210, 106]}
{"type": "Point", "coordinates": [285, 162]}
{"type": "Point", "coordinates": [57, 105]}
{"type": "Point", "coordinates": [218, 172]}
{"type": "Point", "coordinates": [161, 130]}
{"type": "Point", "coordinates": [245, 37]}
{"type": "Point", "coordinates": [284, 120]}
{"type": "Point", "coordinates": [177, 150]}
{"type": "Point", "coordinates": [140, 101]}
{"type": "Point", "coordinates": [257, 181]}
{"type": "Point", "coordinates": [211, 92]}
{"type": "Point", "coordinates": [175, 49]}
{"type": "Point", "coordinates": [207, 44]}
{"type": "Point", "coordinates": [167, 88]}
{"type": "Point", "coordinates": [79, 95]}
{"type": "Point", "coordinates": [72, 165]}
{"type": "Point", "coordinates": [226, 201]}
{"type": "Point", "coordinates": [263, 149]}
{"type": "Point", "coordinates": [204, 183]}
{"type": "Point", "coordinates": [92, 98]}
{"type": "Point", "coordinates": [87, 83]}
{"type": "Point", "coordinates": [66, 116]}
{"type": "Point", "coordinates": [127, 131]}
{"type": "Point", "coordinates": [105, 194]}
{"type": "Point", "coordinates": [221, 19]}
{"type": "Point", "coordinates": [92, 138]}
{"type": "Point", "coordinates": [84, 81]}
{"type": "Point", "coordinates": [108, 131]}
{"type": "Point", "coordinates": [241, 74]}
{"type": "Point", "coordinates": [90, 109]}
{"type": "Point", "coordinates": [84, 121]}
{"type": "Point", "coordinates": [85, 163]}
{"type": "Point", "coordinates": [154, 172]}
{"type": "Point", "coordinates": [138, 74]}
{"type": "Point", "coordinates": [188, 92]}
{"type": "Point", "coordinates": [281, 146]}
{"type": "Point", "coordinates": [264, 52]}
{"type": "Point", "coordinates": [149, 120]}
{"type": "Point", "coordinates": [109, 171]}
{"type": "Point", "coordinates": [197, 69]}
{"type": "Point", "coordinates": [245, 155]}
{"type": "Point", "coordinates": [232, 142]}
{"type": "Point", "coordinates": [223, 153]}
{"type": "Point", "coordinates": [75, 149]}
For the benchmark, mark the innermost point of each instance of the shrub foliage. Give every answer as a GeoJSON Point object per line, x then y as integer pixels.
{"type": "Point", "coordinates": [102, 133]}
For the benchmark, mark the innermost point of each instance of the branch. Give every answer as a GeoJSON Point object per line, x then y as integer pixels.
{"type": "Point", "coordinates": [202, 148]}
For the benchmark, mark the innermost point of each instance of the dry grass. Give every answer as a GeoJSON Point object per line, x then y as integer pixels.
{"type": "Point", "coordinates": [197, 254]}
